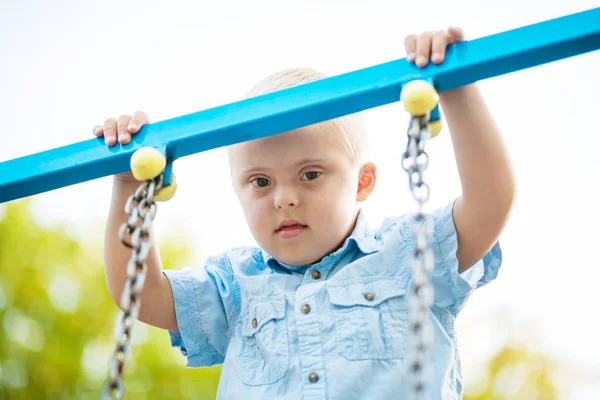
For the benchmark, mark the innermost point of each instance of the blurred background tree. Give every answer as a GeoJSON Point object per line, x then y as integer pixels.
{"type": "Point", "coordinates": [516, 373]}
{"type": "Point", "coordinates": [58, 322]}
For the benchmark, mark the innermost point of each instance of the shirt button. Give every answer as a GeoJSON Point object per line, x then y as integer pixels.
{"type": "Point", "coordinates": [313, 377]}
{"type": "Point", "coordinates": [315, 274]}
{"type": "Point", "coordinates": [254, 323]}
{"type": "Point", "coordinates": [305, 309]}
{"type": "Point", "coordinates": [369, 296]}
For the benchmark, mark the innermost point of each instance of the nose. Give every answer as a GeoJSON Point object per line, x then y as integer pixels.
{"type": "Point", "coordinates": [286, 197]}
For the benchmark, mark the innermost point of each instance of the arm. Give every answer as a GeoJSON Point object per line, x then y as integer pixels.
{"type": "Point", "coordinates": [487, 180]}
{"type": "Point", "coordinates": [157, 306]}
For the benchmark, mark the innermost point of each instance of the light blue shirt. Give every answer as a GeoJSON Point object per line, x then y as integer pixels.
{"type": "Point", "coordinates": [285, 332]}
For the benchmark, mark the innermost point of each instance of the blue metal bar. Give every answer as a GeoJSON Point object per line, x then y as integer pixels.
{"type": "Point", "coordinates": [291, 108]}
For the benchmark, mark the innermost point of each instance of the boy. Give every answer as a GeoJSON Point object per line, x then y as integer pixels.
{"type": "Point", "coordinates": [319, 310]}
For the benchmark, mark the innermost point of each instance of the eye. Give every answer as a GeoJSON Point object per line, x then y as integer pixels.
{"type": "Point", "coordinates": [311, 175]}
{"type": "Point", "coordinates": [261, 182]}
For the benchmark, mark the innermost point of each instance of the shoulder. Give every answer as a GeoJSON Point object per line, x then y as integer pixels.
{"type": "Point", "coordinates": [245, 260]}
{"type": "Point", "coordinates": [403, 227]}
{"type": "Point", "coordinates": [228, 264]}
{"type": "Point", "coordinates": [410, 220]}
{"type": "Point", "coordinates": [396, 227]}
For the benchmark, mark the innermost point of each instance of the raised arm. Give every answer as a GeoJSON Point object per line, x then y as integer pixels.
{"type": "Point", "coordinates": [157, 306]}
{"type": "Point", "coordinates": [486, 176]}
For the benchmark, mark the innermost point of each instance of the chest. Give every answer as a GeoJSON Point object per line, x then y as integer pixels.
{"type": "Point", "coordinates": [358, 312]}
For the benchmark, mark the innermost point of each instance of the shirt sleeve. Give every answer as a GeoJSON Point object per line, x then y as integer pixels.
{"type": "Point", "coordinates": [206, 302]}
{"type": "Point", "coordinates": [451, 289]}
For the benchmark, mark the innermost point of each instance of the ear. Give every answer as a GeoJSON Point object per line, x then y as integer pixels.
{"type": "Point", "coordinates": [366, 181]}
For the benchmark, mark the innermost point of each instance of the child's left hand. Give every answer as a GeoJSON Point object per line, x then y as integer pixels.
{"type": "Point", "coordinates": [420, 48]}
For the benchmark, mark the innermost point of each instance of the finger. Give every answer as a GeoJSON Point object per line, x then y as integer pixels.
{"type": "Point", "coordinates": [98, 131]}
{"type": "Point", "coordinates": [110, 131]}
{"type": "Point", "coordinates": [423, 48]}
{"type": "Point", "coordinates": [455, 34]}
{"type": "Point", "coordinates": [138, 120]}
{"type": "Point", "coordinates": [410, 43]}
{"type": "Point", "coordinates": [439, 42]}
{"type": "Point", "coordinates": [124, 136]}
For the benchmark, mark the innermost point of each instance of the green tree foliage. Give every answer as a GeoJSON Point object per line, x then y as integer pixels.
{"type": "Point", "coordinates": [515, 373]}
{"type": "Point", "coordinates": [57, 321]}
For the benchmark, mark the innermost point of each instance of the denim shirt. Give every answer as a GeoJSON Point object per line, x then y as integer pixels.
{"type": "Point", "coordinates": [285, 332]}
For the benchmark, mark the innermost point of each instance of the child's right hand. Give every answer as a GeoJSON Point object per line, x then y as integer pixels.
{"type": "Point", "coordinates": [121, 130]}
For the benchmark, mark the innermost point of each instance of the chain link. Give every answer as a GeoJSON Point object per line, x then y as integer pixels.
{"type": "Point", "coordinates": [141, 209]}
{"type": "Point", "coordinates": [420, 296]}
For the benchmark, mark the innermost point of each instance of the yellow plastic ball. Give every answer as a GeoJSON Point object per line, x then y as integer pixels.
{"type": "Point", "coordinates": [167, 192]}
{"type": "Point", "coordinates": [419, 97]}
{"type": "Point", "coordinates": [434, 128]}
{"type": "Point", "coordinates": [147, 163]}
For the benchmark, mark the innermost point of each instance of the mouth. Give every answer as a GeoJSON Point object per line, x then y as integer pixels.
{"type": "Point", "coordinates": [288, 229]}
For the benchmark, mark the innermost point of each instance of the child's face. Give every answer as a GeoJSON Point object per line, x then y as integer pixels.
{"type": "Point", "coordinates": [304, 178]}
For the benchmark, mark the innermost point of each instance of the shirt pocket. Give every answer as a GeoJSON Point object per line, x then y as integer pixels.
{"type": "Point", "coordinates": [263, 358]}
{"type": "Point", "coordinates": [371, 319]}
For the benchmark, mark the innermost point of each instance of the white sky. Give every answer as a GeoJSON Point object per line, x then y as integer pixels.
{"type": "Point", "coordinates": [68, 65]}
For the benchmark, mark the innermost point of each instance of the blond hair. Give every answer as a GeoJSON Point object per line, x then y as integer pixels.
{"type": "Point", "coordinates": [349, 127]}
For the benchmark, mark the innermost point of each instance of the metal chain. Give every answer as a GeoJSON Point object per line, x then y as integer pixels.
{"type": "Point", "coordinates": [420, 295]}
{"type": "Point", "coordinates": [141, 209]}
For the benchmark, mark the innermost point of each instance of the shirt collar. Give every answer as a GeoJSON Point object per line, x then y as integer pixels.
{"type": "Point", "coordinates": [361, 236]}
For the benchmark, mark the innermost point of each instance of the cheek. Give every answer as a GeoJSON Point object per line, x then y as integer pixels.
{"type": "Point", "coordinates": [255, 212]}
{"type": "Point", "coordinates": [335, 199]}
